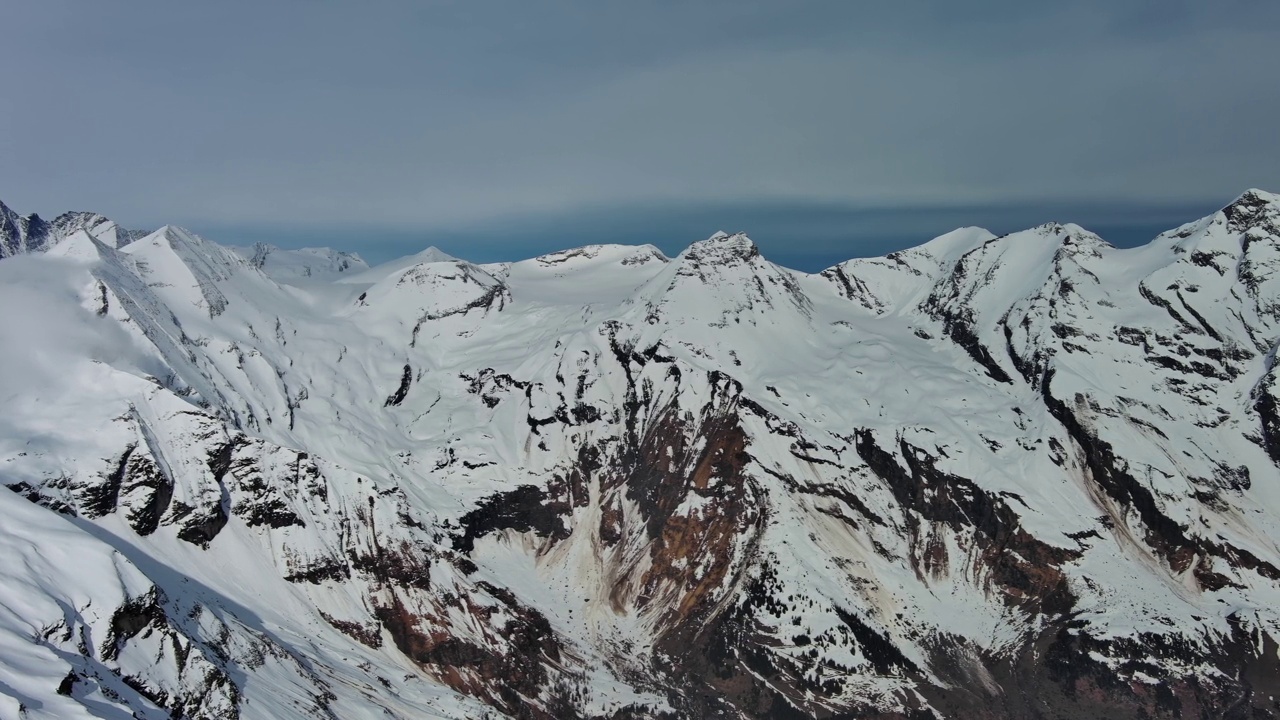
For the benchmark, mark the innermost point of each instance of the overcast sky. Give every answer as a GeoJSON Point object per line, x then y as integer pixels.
{"type": "Point", "coordinates": [510, 126]}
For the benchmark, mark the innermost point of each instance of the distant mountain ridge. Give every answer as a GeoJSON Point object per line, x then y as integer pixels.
{"type": "Point", "coordinates": [30, 233]}
{"type": "Point", "coordinates": [303, 263]}
{"type": "Point", "coordinates": [1025, 476]}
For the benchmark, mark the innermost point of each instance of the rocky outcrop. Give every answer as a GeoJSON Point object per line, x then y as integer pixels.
{"type": "Point", "coordinates": [21, 234]}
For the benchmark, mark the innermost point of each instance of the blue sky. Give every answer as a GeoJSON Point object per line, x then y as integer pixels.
{"type": "Point", "coordinates": [824, 129]}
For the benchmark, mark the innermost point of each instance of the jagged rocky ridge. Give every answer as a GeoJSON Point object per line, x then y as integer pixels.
{"type": "Point", "coordinates": [1024, 476]}
{"type": "Point", "coordinates": [20, 234]}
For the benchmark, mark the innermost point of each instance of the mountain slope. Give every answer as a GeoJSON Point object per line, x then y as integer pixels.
{"type": "Point", "coordinates": [1022, 476]}
{"type": "Point", "coordinates": [304, 264]}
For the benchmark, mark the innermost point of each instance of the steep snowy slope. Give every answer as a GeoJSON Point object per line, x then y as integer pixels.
{"type": "Point", "coordinates": [1024, 476]}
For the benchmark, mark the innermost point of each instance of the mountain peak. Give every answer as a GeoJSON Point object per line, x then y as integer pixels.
{"type": "Point", "coordinates": [722, 247]}
{"type": "Point", "coordinates": [31, 233]}
{"type": "Point", "coordinates": [1252, 208]}
{"type": "Point", "coordinates": [1255, 195]}
{"type": "Point", "coordinates": [434, 254]}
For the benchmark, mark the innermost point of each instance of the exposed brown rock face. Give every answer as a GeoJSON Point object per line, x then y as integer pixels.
{"type": "Point", "coordinates": [506, 677]}
{"type": "Point", "coordinates": [715, 593]}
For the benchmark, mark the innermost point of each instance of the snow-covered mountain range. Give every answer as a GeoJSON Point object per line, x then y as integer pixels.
{"type": "Point", "coordinates": [31, 233]}
{"type": "Point", "coordinates": [1029, 476]}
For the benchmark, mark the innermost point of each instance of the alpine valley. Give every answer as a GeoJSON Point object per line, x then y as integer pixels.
{"type": "Point", "coordinates": [1028, 476]}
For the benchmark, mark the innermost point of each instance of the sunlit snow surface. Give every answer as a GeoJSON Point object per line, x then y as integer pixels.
{"type": "Point", "coordinates": [371, 408]}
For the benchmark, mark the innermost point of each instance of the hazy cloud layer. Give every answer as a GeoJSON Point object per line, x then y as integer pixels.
{"type": "Point", "coordinates": [451, 116]}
